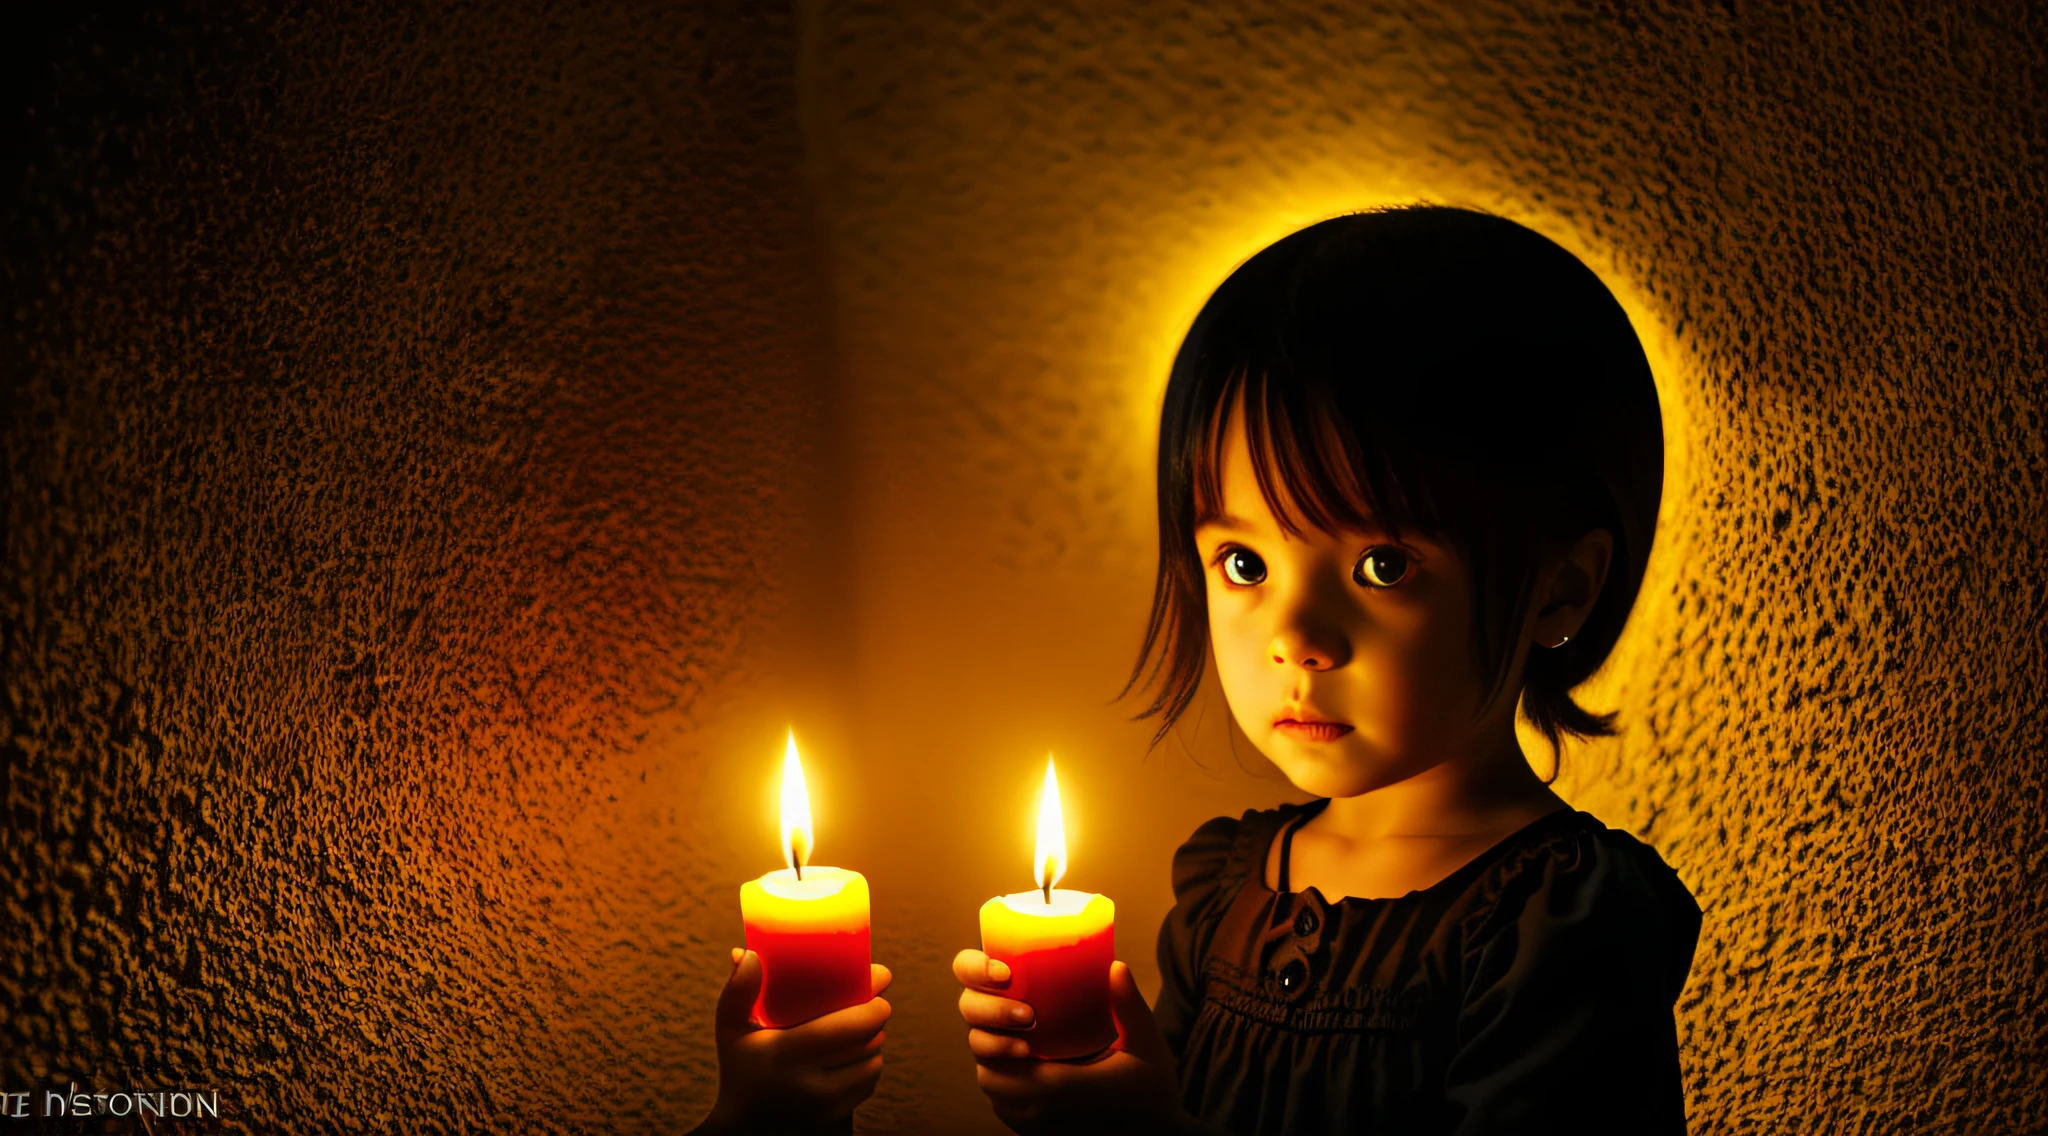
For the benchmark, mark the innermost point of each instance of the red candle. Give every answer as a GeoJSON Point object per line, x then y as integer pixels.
{"type": "Point", "coordinates": [1058, 945]}
{"type": "Point", "coordinates": [808, 924]}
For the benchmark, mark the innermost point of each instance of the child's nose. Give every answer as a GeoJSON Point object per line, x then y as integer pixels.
{"type": "Point", "coordinates": [1310, 649]}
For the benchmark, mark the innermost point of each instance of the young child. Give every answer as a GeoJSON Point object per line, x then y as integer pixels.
{"type": "Point", "coordinates": [1409, 469]}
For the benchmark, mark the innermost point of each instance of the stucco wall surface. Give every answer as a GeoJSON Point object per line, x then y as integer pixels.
{"type": "Point", "coordinates": [1825, 224]}
{"type": "Point", "coordinates": [411, 419]}
{"type": "Point", "coordinates": [446, 446]}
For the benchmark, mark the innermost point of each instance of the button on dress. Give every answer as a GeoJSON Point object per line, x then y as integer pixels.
{"type": "Point", "coordinates": [1529, 991]}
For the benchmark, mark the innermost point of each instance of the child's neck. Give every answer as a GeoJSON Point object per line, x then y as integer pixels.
{"type": "Point", "coordinates": [1407, 836]}
{"type": "Point", "coordinates": [1488, 790]}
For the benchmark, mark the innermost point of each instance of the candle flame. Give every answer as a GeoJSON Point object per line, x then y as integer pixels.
{"type": "Point", "coordinates": [796, 811]}
{"type": "Point", "coordinates": [1050, 858]}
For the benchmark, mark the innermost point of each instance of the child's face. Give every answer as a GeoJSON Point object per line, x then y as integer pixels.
{"type": "Point", "coordinates": [1346, 628]}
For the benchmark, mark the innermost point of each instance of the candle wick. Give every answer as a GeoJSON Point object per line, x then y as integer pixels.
{"type": "Point", "coordinates": [799, 873]}
{"type": "Point", "coordinates": [1048, 893]}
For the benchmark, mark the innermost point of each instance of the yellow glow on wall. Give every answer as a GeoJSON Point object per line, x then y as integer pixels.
{"type": "Point", "coordinates": [1194, 268]}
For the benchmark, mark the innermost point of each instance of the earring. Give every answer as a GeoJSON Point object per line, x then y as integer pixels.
{"type": "Point", "coordinates": [1561, 641]}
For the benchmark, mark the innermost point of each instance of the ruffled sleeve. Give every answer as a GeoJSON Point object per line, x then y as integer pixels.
{"type": "Point", "coordinates": [1570, 973]}
{"type": "Point", "coordinates": [1205, 870]}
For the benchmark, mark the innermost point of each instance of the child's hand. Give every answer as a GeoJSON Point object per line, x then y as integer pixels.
{"type": "Point", "coordinates": [808, 1074]}
{"type": "Point", "coordinates": [1132, 1087]}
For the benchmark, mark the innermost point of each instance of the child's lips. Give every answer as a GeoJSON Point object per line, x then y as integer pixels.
{"type": "Point", "coordinates": [1312, 729]}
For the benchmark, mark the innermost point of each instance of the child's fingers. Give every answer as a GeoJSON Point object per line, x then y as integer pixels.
{"type": "Point", "coordinates": [736, 1001]}
{"type": "Point", "coordinates": [991, 1012]}
{"type": "Point", "coordinates": [843, 1089]}
{"type": "Point", "coordinates": [836, 1031]}
{"type": "Point", "coordinates": [1012, 1086]}
{"type": "Point", "coordinates": [1031, 1089]}
{"type": "Point", "coordinates": [853, 1054]}
{"type": "Point", "coordinates": [882, 978]}
{"type": "Point", "coordinates": [990, 1046]}
{"type": "Point", "coordinates": [832, 1082]}
{"type": "Point", "coordinates": [972, 968]}
{"type": "Point", "coordinates": [1137, 1031]}
{"type": "Point", "coordinates": [836, 1092]}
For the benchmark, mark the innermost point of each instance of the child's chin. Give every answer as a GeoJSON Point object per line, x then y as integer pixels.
{"type": "Point", "coordinates": [1327, 770]}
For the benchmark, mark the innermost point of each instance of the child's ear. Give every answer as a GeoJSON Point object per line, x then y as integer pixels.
{"type": "Point", "coordinates": [1571, 588]}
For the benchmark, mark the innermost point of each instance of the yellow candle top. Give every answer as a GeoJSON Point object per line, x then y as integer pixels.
{"type": "Point", "coordinates": [1026, 922]}
{"type": "Point", "coordinates": [817, 883]}
{"type": "Point", "coordinates": [826, 900]}
{"type": "Point", "coordinates": [1064, 902]}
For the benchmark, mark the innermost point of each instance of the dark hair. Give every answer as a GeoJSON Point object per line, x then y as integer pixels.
{"type": "Point", "coordinates": [1425, 367]}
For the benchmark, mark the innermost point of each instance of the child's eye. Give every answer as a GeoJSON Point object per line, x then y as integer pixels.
{"type": "Point", "coordinates": [1381, 567]}
{"type": "Point", "coordinates": [1242, 566]}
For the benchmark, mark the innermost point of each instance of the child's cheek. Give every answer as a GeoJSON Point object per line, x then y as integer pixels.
{"type": "Point", "coordinates": [1406, 693]}
{"type": "Point", "coordinates": [1239, 643]}
{"type": "Point", "coordinates": [1385, 697]}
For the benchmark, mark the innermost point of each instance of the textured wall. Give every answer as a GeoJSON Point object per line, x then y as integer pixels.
{"type": "Point", "coordinates": [1826, 227]}
{"type": "Point", "coordinates": [427, 506]}
{"type": "Point", "coordinates": [412, 423]}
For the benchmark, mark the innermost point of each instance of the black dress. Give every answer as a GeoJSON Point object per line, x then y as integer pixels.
{"type": "Point", "coordinates": [1529, 991]}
